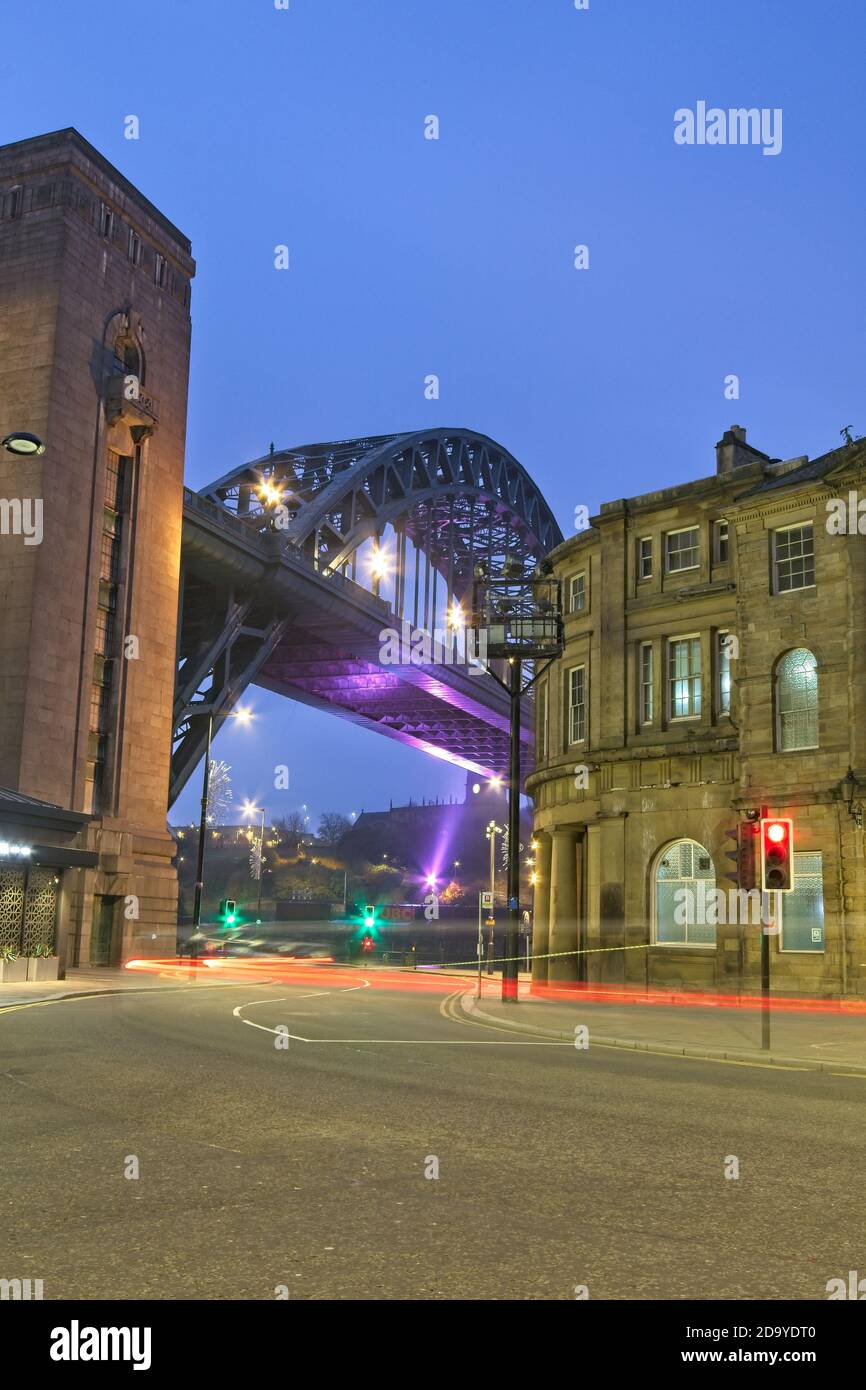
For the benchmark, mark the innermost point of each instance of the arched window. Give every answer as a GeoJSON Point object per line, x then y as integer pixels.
{"type": "Point", "coordinates": [684, 901]}
{"type": "Point", "coordinates": [796, 701]}
{"type": "Point", "coordinates": [128, 359]}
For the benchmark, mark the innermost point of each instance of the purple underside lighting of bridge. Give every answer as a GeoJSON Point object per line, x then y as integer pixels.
{"type": "Point", "coordinates": [276, 592]}
{"type": "Point", "coordinates": [416, 705]}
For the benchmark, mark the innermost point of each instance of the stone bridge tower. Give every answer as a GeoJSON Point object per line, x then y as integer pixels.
{"type": "Point", "coordinates": [94, 354]}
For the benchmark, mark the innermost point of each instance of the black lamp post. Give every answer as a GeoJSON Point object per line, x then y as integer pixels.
{"type": "Point", "coordinates": [520, 614]}
{"type": "Point", "coordinates": [202, 827]}
{"type": "Point", "coordinates": [244, 715]}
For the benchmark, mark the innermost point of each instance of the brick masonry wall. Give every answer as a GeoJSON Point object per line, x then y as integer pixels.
{"type": "Point", "coordinates": [66, 290]}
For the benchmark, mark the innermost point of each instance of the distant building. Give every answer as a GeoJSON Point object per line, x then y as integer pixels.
{"type": "Point", "coordinates": [446, 839]}
{"type": "Point", "coordinates": [715, 663]}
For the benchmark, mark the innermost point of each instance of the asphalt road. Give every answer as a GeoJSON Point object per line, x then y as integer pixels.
{"type": "Point", "coordinates": [304, 1165]}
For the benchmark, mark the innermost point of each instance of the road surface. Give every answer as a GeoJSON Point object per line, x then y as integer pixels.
{"type": "Point", "coordinates": [283, 1135]}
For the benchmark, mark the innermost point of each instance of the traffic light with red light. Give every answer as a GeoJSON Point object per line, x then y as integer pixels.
{"type": "Point", "coordinates": [367, 943]}
{"type": "Point", "coordinates": [777, 855]}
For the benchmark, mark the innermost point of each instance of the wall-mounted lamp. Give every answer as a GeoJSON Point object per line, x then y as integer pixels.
{"type": "Point", "coordinates": [849, 791]}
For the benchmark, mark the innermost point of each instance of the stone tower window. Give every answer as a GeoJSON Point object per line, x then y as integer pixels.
{"type": "Point", "coordinates": [128, 358]}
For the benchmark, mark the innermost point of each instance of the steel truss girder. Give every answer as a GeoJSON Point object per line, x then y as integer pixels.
{"type": "Point", "coordinates": [341, 494]}
{"type": "Point", "coordinates": [457, 496]}
{"type": "Point", "coordinates": [229, 678]}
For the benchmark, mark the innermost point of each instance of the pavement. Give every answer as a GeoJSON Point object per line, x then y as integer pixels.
{"type": "Point", "coordinates": [354, 1134]}
{"type": "Point", "coordinates": [830, 1039]}
{"type": "Point", "coordinates": [102, 980]}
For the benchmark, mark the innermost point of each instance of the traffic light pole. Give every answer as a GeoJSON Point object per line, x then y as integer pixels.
{"type": "Point", "coordinates": [765, 971]}
{"type": "Point", "coordinates": [511, 964]}
{"type": "Point", "coordinates": [202, 829]}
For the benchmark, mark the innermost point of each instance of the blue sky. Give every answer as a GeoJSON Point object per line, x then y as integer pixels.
{"type": "Point", "coordinates": [261, 126]}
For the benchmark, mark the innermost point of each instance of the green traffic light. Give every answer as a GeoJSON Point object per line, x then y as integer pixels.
{"type": "Point", "coordinates": [369, 921]}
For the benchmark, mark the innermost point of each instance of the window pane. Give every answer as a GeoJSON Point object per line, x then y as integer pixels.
{"type": "Point", "coordinates": [724, 675]}
{"type": "Point", "coordinates": [795, 558]}
{"type": "Point", "coordinates": [577, 705]}
{"type": "Point", "coordinates": [685, 883]}
{"type": "Point", "coordinates": [667, 928]}
{"type": "Point", "coordinates": [797, 700]}
{"type": "Point", "coordinates": [645, 556]}
{"type": "Point", "coordinates": [646, 684]}
{"type": "Point", "coordinates": [682, 549]}
{"type": "Point", "coordinates": [685, 677]}
{"type": "Point", "coordinates": [803, 907]}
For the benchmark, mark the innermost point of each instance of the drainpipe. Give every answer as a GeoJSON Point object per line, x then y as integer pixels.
{"type": "Point", "coordinates": [843, 921]}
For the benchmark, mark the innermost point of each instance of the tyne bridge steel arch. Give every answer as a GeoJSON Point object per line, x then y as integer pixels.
{"type": "Point", "coordinates": [293, 564]}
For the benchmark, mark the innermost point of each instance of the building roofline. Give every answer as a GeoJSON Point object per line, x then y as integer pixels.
{"type": "Point", "coordinates": [56, 139]}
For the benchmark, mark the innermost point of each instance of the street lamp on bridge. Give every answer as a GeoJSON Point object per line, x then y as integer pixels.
{"type": "Point", "coordinates": [380, 566]}
{"type": "Point", "coordinates": [521, 614]}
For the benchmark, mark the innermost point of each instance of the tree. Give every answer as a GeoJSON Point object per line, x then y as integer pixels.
{"type": "Point", "coordinates": [291, 825]}
{"type": "Point", "coordinates": [452, 894]}
{"type": "Point", "coordinates": [333, 826]}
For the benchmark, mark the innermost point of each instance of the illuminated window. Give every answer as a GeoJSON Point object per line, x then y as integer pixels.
{"type": "Point", "coordinates": [684, 896]}
{"type": "Point", "coordinates": [684, 677]}
{"type": "Point", "coordinates": [796, 701]}
{"type": "Point", "coordinates": [802, 910]}
{"type": "Point", "coordinates": [723, 673]}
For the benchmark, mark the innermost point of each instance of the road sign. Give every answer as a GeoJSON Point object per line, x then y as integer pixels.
{"type": "Point", "coordinates": [487, 900]}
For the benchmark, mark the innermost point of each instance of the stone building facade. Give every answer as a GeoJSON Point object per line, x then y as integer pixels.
{"type": "Point", "coordinates": [94, 352]}
{"type": "Point", "coordinates": [714, 666]}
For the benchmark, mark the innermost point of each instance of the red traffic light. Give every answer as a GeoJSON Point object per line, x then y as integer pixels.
{"type": "Point", "coordinates": [777, 855]}
{"type": "Point", "coordinates": [367, 943]}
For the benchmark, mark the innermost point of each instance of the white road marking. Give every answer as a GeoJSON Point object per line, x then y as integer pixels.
{"type": "Point", "coordinates": [365, 984]}
{"type": "Point", "coordinates": [433, 1042]}
{"type": "Point", "coordinates": [391, 1042]}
